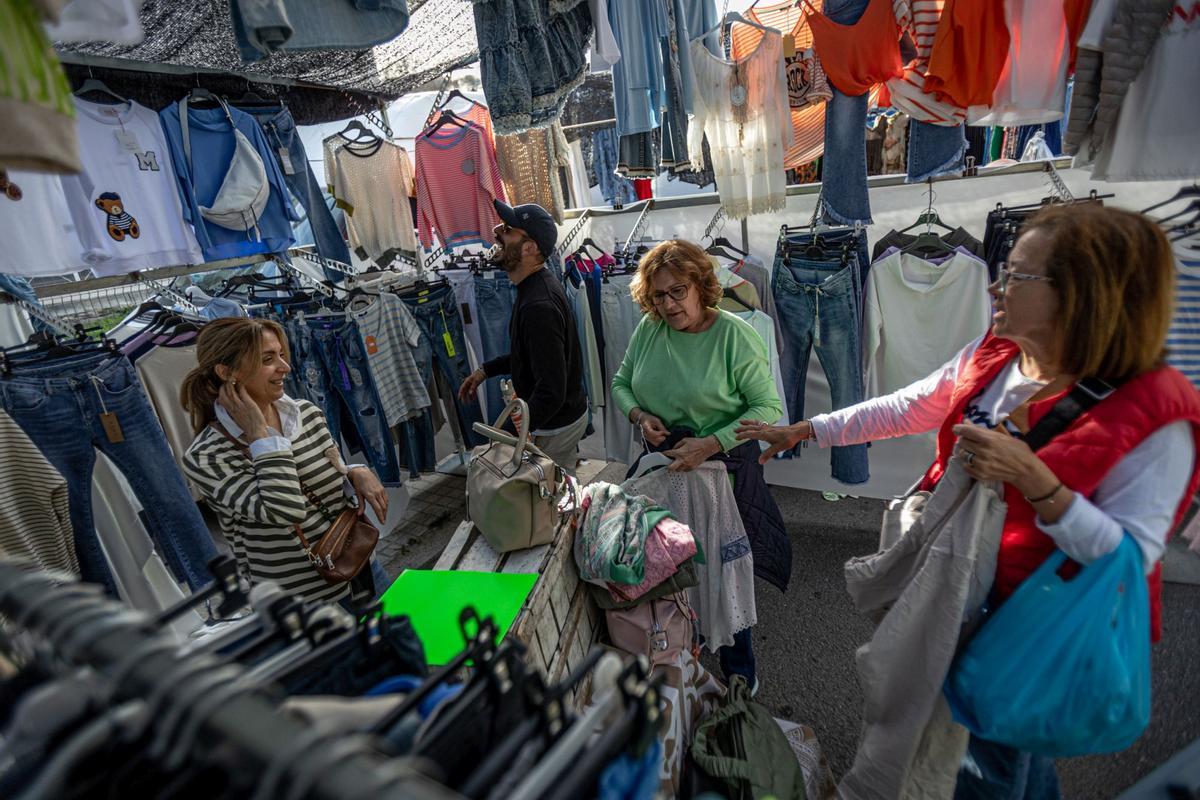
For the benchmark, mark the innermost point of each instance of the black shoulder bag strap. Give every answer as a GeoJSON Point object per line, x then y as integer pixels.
{"type": "Point", "coordinates": [1083, 396]}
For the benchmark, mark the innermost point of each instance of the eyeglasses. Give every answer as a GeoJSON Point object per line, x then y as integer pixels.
{"type": "Point", "coordinates": [504, 228]}
{"type": "Point", "coordinates": [1007, 276]}
{"type": "Point", "coordinates": [677, 293]}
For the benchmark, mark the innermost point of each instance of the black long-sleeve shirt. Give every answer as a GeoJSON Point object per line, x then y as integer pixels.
{"type": "Point", "coordinates": [545, 361]}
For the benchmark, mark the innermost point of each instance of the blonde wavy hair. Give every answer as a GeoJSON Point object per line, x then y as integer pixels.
{"type": "Point", "coordinates": [687, 262]}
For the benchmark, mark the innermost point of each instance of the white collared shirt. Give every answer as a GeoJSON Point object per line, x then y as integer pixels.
{"type": "Point", "coordinates": [275, 441]}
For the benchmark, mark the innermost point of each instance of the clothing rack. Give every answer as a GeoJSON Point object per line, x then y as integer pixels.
{"type": "Point", "coordinates": [163, 289]}
{"type": "Point", "coordinates": [639, 228]}
{"type": "Point", "coordinates": [569, 238]}
{"type": "Point", "coordinates": [600, 123]}
{"type": "Point", "coordinates": [245, 735]}
{"type": "Point", "coordinates": [1060, 187]}
{"type": "Point", "coordinates": [40, 314]}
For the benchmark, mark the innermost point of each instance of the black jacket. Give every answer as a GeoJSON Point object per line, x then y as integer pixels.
{"type": "Point", "coordinates": [545, 361]}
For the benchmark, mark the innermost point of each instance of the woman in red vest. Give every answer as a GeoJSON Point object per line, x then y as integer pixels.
{"type": "Point", "coordinates": [1088, 291]}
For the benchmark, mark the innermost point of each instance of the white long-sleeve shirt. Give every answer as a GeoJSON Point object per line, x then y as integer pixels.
{"type": "Point", "coordinates": [1140, 494]}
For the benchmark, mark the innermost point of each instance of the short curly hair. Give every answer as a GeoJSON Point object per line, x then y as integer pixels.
{"type": "Point", "coordinates": [687, 261]}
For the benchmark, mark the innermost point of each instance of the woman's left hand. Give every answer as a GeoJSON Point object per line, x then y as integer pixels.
{"type": "Point", "coordinates": [991, 455]}
{"type": "Point", "coordinates": [369, 490]}
{"type": "Point", "coordinates": [691, 453]}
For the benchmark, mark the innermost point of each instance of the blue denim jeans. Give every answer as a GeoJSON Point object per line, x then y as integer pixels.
{"type": "Point", "coordinates": [995, 772]}
{"type": "Point", "coordinates": [494, 300]}
{"type": "Point", "coordinates": [832, 242]}
{"type": "Point", "coordinates": [58, 405]}
{"type": "Point", "coordinates": [934, 150]}
{"type": "Point", "coordinates": [818, 308]}
{"type": "Point", "coordinates": [437, 315]}
{"type": "Point", "coordinates": [306, 380]}
{"type": "Point", "coordinates": [280, 130]}
{"type": "Point", "coordinates": [844, 167]}
{"type": "Point", "coordinates": [615, 189]}
{"type": "Point", "coordinates": [348, 394]}
{"type": "Point", "coordinates": [738, 658]}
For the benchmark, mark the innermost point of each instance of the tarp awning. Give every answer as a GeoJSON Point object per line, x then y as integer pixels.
{"type": "Point", "coordinates": [193, 39]}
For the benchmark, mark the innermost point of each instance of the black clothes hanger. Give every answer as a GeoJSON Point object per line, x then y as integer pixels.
{"type": "Point", "coordinates": [455, 94]}
{"type": "Point", "coordinates": [446, 117]}
{"type": "Point", "coordinates": [721, 241]}
{"type": "Point", "coordinates": [95, 85]}
{"type": "Point", "coordinates": [1184, 192]}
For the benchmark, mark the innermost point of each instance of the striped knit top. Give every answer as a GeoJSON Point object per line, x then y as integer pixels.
{"type": "Point", "coordinates": [259, 500]}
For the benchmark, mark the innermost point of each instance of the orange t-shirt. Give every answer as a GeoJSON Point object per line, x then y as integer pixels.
{"type": "Point", "coordinates": [808, 123]}
{"type": "Point", "coordinates": [969, 51]}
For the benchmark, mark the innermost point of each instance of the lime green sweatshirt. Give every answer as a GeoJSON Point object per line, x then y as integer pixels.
{"type": "Point", "coordinates": [704, 381]}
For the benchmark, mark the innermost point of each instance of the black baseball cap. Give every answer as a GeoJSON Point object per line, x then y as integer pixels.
{"type": "Point", "coordinates": [534, 220]}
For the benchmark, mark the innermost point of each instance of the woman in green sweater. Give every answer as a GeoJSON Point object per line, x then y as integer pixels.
{"type": "Point", "coordinates": [691, 372]}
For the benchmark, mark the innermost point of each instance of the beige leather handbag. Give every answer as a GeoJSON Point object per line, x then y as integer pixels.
{"type": "Point", "coordinates": [513, 488]}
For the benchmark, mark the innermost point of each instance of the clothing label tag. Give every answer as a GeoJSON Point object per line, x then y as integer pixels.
{"type": "Point", "coordinates": [372, 345]}
{"type": "Point", "coordinates": [465, 310]}
{"type": "Point", "coordinates": [450, 351]}
{"type": "Point", "coordinates": [285, 160]}
{"type": "Point", "coordinates": [789, 45]}
{"type": "Point", "coordinates": [127, 140]}
{"type": "Point", "coordinates": [422, 296]}
{"type": "Point", "coordinates": [112, 428]}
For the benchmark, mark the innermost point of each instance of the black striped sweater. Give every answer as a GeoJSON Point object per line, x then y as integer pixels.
{"type": "Point", "coordinates": [258, 501]}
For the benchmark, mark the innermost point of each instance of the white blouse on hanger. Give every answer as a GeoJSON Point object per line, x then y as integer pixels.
{"type": "Point", "coordinates": [742, 106]}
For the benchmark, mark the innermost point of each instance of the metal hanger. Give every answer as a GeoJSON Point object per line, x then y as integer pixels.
{"type": "Point", "coordinates": [1184, 191]}
{"type": "Point", "coordinates": [94, 84]}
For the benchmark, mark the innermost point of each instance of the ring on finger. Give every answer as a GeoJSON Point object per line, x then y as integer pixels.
{"type": "Point", "coordinates": [968, 458]}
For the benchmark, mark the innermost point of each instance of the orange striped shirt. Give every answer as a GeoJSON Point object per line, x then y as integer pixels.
{"type": "Point", "coordinates": [919, 19]}
{"type": "Point", "coordinates": [808, 123]}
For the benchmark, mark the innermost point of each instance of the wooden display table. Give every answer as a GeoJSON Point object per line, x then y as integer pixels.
{"type": "Point", "coordinates": [559, 622]}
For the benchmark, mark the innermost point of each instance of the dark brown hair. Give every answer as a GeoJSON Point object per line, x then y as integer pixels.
{"type": "Point", "coordinates": [1115, 276]}
{"type": "Point", "coordinates": [232, 342]}
{"type": "Point", "coordinates": [687, 262]}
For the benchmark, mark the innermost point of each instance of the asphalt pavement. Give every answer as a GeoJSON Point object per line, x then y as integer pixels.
{"type": "Point", "coordinates": [805, 643]}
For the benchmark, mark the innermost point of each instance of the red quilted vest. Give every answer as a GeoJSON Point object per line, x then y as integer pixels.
{"type": "Point", "coordinates": [1080, 456]}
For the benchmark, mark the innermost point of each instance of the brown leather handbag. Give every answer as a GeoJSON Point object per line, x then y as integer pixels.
{"type": "Point", "coordinates": [348, 543]}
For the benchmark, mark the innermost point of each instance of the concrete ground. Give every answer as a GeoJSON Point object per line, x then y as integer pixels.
{"type": "Point", "coordinates": [805, 640]}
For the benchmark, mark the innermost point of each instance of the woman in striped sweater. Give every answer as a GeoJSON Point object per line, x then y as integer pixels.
{"type": "Point", "coordinates": [237, 388]}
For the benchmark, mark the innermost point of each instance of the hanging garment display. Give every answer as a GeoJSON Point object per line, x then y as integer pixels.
{"type": "Point", "coordinates": [332, 365]}
{"type": "Point", "coordinates": [495, 296]}
{"type": "Point", "coordinates": [35, 98]}
{"type": "Point", "coordinates": [918, 313]}
{"type": "Point", "coordinates": [32, 201]}
{"type": "Point", "coordinates": [615, 189]}
{"type": "Point", "coordinates": [457, 182]}
{"type": "Point", "coordinates": [970, 50]}
{"type": "Point", "coordinates": [919, 19]}
{"type": "Point", "coordinates": [445, 352]}
{"type": "Point", "coordinates": [819, 300]}
{"type": "Point", "coordinates": [638, 81]}
{"type": "Point", "coordinates": [391, 337]}
{"type": "Point", "coordinates": [1114, 47]}
{"type": "Point", "coordinates": [161, 367]}
{"type": "Point", "coordinates": [808, 118]}
{"type": "Point", "coordinates": [1031, 88]}
{"type": "Point", "coordinates": [531, 57]}
{"type": "Point", "coordinates": [101, 396]}
{"type": "Point", "coordinates": [530, 164]}
{"type": "Point", "coordinates": [288, 149]}
{"type": "Point", "coordinates": [1183, 339]}
{"type": "Point", "coordinates": [35, 519]}
{"type": "Point", "coordinates": [1155, 135]}
{"type": "Point", "coordinates": [214, 141]}
{"type": "Point", "coordinates": [741, 106]}
{"type": "Point", "coordinates": [125, 203]}
{"type": "Point", "coordinates": [263, 28]}
{"type": "Point", "coordinates": [371, 182]}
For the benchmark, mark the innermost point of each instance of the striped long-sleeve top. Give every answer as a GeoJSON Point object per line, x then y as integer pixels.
{"type": "Point", "coordinates": [258, 501]}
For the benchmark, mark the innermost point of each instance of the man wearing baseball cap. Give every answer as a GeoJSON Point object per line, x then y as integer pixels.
{"type": "Point", "coordinates": [545, 360]}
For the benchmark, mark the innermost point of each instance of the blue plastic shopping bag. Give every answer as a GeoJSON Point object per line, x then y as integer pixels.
{"type": "Point", "coordinates": [1062, 668]}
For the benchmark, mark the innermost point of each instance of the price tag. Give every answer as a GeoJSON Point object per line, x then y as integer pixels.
{"type": "Point", "coordinates": [789, 46]}
{"type": "Point", "coordinates": [112, 428]}
{"type": "Point", "coordinates": [127, 140]}
{"type": "Point", "coordinates": [285, 160]}
{"type": "Point", "coordinates": [372, 345]}
{"type": "Point", "coordinates": [450, 351]}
